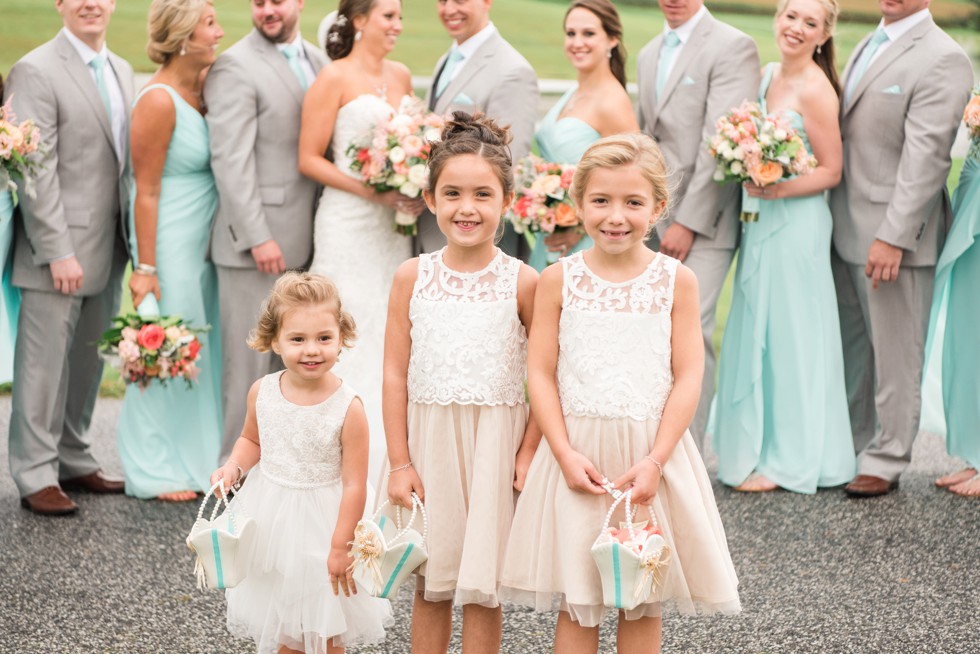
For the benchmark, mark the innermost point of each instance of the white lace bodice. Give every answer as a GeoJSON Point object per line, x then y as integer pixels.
{"type": "Point", "coordinates": [468, 343]}
{"type": "Point", "coordinates": [614, 341]}
{"type": "Point", "coordinates": [300, 444]}
{"type": "Point", "coordinates": [353, 120]}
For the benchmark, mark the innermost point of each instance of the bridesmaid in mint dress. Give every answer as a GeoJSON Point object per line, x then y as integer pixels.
{"type": "Point", "coordinates": [957, 281]}
{"type": "Point", "coordinates": [169, 436]}
{"type": "Point", "coordinates": [596, 106]}
{"type": "Point", "coordinates": [780, 415]}
{"type": "Point", "coordinates": [9, 295]}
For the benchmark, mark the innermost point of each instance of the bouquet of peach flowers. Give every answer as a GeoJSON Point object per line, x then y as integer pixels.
{"type": "Point", "coordinates": [17, 141]}
{"type": "Point", "coordinates": [393, 155]}
{"type": "Point", "coordinates": [542, 201]}
{"type": "Point", "coordinates": [764, 149]}
{"type": "Point", "coordinates": [148, 348]}
{"type": "Point", "coordinates": [971, 115]}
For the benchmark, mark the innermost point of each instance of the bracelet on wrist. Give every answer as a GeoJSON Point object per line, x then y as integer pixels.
{"type": "Point", "coordinates": [241, 474]}
{"type": "Point", "coordinates": [659, 465]}
{"type": "Point", "coordinates": [400, 468]}
{"type": "Point", "coordinates": [145, 269]}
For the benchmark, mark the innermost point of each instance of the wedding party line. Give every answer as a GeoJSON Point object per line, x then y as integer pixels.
{"type": "Point", "coordinates": [445, 303]}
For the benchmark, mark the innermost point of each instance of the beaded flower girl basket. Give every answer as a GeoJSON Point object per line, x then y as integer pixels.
{"type": "Point", "coordinates": [385, 553]}
{"type": "Point", "coordinates": [220, 543]}
{"type": "Point", "coordinates": [633, 559]}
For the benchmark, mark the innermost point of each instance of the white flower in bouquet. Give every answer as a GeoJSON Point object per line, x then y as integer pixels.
{"type": "Point", "coordinates": [397, 180]}
{"type": "Point", "coordinates": [410, 190]}
{"type": "Point", "coordinates": [397, 155]}
{"type": "Point", "coordinates": [418, 175]}
{"type": "Point", "coordinates": [736, 168]}
{"type": "Point", "coordinates": [405, 219]}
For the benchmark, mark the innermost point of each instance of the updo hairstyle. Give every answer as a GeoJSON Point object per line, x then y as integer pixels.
{"type": "Point", "coordinates": [170, 24]}
{"type": "Point", "coordinates": [634, 149]}
{"type": "Point", "coordinates": [340, 36]}
{"type": "Point", "coordinates": [297, 289]}
{"type": "Point", "coordinates": [473, 134]}
{"type": "Point", "coordinates": [606, 12]}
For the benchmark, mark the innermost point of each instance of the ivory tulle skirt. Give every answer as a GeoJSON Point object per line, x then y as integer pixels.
{"type": "Point", "coordinates": [286, 598]}
{"type": "Point", "coordinates": [464, 455]}
{"type": "Point", "coordinates": [549, 564]}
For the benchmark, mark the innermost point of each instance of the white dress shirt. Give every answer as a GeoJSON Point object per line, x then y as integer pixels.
{"type": "Point", "coordinates": [120, 127]}
{"type": "Point", "coordinates": [898, 29]}
{"type": "Point", "coordinates": [684, 33]}
{"type": "Point", "coordinates": [469, 47]}
{"type": "Point", "coordinates": [304, 62]}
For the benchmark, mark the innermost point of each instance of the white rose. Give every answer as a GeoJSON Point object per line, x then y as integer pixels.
{"type": "Point", "coordinates": [432, 134]}
{"type": "Point", "coordinates": [765, 139]}
{"type": "Point", "coordinates": [405, 219]}
{"type": "Point", "coordinates": [408, 189]}
{"type": "Point", "coordinates": [727, 153]}
{"type": "Point", "coordinates": [397, 155]}
{"type": "Point", "coordinates": [397, 180]}
{"type": "Point", "coordinates": [736, 167]}
{"type": "Point", "coordinates": [780, 134]}
{"type": "Point", "coordinates": [738, 154]}
{"type": "Point", "coordinates": [418, 174]}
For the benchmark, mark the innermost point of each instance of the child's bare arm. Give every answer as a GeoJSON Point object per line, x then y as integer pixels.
{"type": "Point", "coordinates": [245, 453]}
{"type": "Point", "coordinates": [354, 444]}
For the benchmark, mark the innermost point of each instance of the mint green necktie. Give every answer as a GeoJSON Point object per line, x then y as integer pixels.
{"type": "Point", "coordinates": [98, 67]}
{"type": "Point", "coordinates": [670, 44]}
{"type": "Point", "coordinates": [291, 52]}
{"type": "Point", "coordinates": [455, 56]}
{"type": "Point", "coordinates": [879, 37]}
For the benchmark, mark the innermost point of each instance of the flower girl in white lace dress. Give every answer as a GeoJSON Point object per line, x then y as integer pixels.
{"type": "Point", "coordinates": [306, 435]}
{"type": "Point", "coordinates": [454, 407]}
{"type": "Point", "coordinates": [614, 371]}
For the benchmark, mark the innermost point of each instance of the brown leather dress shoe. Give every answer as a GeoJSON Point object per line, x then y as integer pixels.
{"type": "Point", "coordinates": [49, 501]}
{"type": "Point", "coordinates": [870, 486]}
{"type": "Point", "coordinates": [94, 482]}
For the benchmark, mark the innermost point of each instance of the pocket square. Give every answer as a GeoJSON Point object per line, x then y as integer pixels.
{"type": "Point", "coordinates": [893, 90]}
{"type": "Point", "coordinates": [687, 81]}
{"type": "Point", "coordinates": [462, 99]}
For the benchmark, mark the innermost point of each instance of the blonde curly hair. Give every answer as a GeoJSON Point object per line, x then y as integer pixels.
{"type": "Point", "coordinates": [296, 289]}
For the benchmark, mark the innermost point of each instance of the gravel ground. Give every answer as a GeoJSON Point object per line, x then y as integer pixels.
{"type": "Point", "coordinates": [820, 574]}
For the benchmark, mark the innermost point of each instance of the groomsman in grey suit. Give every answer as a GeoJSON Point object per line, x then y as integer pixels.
{"type": "Point", "coordinates": [254, 93]}
{"type": "Point", "coordinates": [69, 252]}
{"type": "Point", "coordinates": [481, 72]}
{"type": "Point", "coordinates": [905, 87]}
{"type": "Point", "coordinates": [691, 74]}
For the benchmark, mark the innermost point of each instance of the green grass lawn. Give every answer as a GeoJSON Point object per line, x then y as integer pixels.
{"type": "Point", "coordinates": [533, 26]}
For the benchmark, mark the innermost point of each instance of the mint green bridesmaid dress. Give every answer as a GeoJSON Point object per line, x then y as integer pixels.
{"type": "Point", "coordinates": [781, 408]}
{"type": "Point", "coordinates": [169, 437]}
{"type": "Point", "coordinates": [562, 141]}
{"type": "Point", "coordinates": [957, 284]}
{"type": "Point", "coordinates": [9, 294]}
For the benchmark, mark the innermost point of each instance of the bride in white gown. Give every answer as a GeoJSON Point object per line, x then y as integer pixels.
{"type": "Point", "coordinates": [354, 241]}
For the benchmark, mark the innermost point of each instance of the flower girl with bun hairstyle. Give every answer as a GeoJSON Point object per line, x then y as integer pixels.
{"type": "Point", "coordinates": [306, 435]}
{"type": "Point", "coordinates": [456, 423]}
{"type": "Point", "coordinates": [614, 372]}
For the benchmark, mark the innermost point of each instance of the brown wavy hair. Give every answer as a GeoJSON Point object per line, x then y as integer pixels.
{"type": "Point", "coordinates": [296, 289]}
{"type": "Point", "coordinates": [476, 134]}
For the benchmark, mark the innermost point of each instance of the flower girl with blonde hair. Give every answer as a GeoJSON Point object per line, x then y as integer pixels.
{"type": "Point", "coordinates": [456, 423]}
{"type": "Point", "coordinates": [614, 371]}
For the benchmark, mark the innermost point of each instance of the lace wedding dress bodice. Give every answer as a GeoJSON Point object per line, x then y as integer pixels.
{"type": "Point", "coordinates": [300, 444]}
{"type": "Point", "coordinates": [468, 343]}
{"type": "Point", "coordinates": [614, 341]}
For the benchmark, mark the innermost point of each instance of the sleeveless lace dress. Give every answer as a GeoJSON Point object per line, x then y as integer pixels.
{"type": "Point", "coordinates": [294, 495]}
{"type": "Point", "coordinates": [355, 245]}
{"type": "Point", "coordinates": [466, 420]}
{"type": "Point", "coordinates": [614, 377]}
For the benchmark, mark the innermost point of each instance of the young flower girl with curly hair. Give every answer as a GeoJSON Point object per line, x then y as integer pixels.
{"type": "Point", "coordinates": [614, 371]}
{"type": "Point", "coordinates": [305, 440]}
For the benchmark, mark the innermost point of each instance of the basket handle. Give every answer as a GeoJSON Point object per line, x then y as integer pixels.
{"type": "Point", "coordinates": [223, 497]}
{"type": "Point", "coordinates": [417, 506]}
{"type": "Point", "coordinates": [620, 496]}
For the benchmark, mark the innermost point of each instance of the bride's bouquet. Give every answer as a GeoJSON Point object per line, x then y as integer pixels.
{"type": "Point", "coordinates": [542, 202]}
{"type": "Point", "coordinates": [971, 115]}
{"type": "Point", "coordinates": [17, 141]}
{"type": "Point", "coordinates": [764, 149]}
{"type": "Point", "coordinates": [150, 348]}
{"type": "Point", "coordinates": [392, 156]}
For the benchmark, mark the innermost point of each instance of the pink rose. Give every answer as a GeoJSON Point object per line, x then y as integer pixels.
{"type": "Point", "coordinates": [151, 337]}
{"type": "Point", "coordinates": [413, 145]}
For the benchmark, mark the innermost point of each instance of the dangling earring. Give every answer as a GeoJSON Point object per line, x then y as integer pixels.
{"type": "Point", "coordinates": [357, 36]}
{"type": "Point", "coordinates": [609, 54]}
{"type": "Point", "coordinates": [183, 49]}
{"type": "Point", "coordinates": [819, 48]}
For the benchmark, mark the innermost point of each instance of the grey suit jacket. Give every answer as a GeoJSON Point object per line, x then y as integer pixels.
{"type": "Point", "coordinates": [717, 69]}
{"type": "Point", "coordinates": [498, 81]}
{"type": "Point", "coordinates": [898, 130]}
{"type": "Point", "coordinates": [254, 106]}
{"type": "Point", "coordinates": [83, 189]}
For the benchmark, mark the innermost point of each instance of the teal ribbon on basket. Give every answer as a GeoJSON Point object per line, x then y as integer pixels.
{"type": "Point", "coordinates": [617, 575]}
{"type": "Point", "coordinates": [398, 569]}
